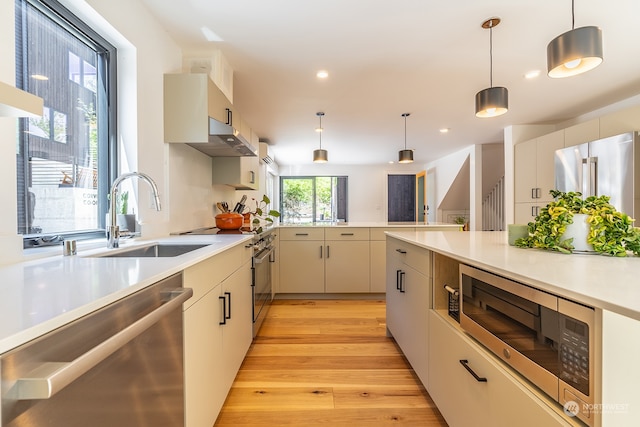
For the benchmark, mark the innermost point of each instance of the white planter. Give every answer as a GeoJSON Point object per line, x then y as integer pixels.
{"type": "Point", "coordinates": [579, 231]}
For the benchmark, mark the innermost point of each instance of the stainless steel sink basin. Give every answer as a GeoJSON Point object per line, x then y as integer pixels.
{"type": "Point", "coordinates": [159, 250]}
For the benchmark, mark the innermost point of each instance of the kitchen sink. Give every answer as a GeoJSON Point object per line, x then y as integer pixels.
{"type": "Point", "coordinates": [158, 250]}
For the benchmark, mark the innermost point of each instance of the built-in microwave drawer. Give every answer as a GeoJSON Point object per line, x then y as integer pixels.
{"type": "Point", "coordinates": [548, 339]}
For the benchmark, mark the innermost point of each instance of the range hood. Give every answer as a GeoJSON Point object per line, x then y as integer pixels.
{"type": "Point", "coordinates": [225, 141]}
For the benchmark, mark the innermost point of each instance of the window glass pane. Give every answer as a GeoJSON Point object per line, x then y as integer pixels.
{"type": "Point", "coordinates": [60, 164]}
{"type": "Point", "coordinates": [313, 199]}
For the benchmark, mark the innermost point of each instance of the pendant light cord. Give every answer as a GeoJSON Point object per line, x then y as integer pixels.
{"type": "Point", "coordinates": [320, 132]}
{"type": "Point", "coordinates": [491, 54]}
{"type": "Point", "coordinates": [573, 15]}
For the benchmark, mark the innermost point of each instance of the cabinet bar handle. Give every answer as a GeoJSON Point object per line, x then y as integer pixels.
{"type": "Point", "coordinates": [451, 290]}
{"type": "Point", "coordinates": [253, 177]}
{"type": "Point", "coordinates": [320, 251]}
{"type": "Point", "coordinates": [533, 193]}
{"type": "Point", "coordinates": [465, 363]}
{"type": "Point", "coordinates": [398, 279]}
{"type": "Point", "coordinates": [346, 234]}
{"type": "Point", "coordinates": [327, 251]}
{"type": "Point", "coordinates": [538, 193]}
{"type": "Point", "coordinates": [224, 310]}
{"type": "Point", "coordinates": [402, 273]}
{"type": "Point", "coordinates": [229, 311]}
{"type": "Point", "coordinates": [229, 116]}
{"type": "Point", "coordinates": [402, 251]}
{"type": "Point", "coordinates": [302, 234]}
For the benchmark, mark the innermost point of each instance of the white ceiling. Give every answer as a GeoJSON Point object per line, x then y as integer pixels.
{"type": "Point", "coordinates": [385, 58]}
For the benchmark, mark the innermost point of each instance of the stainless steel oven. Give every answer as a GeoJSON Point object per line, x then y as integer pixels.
{"type": "Point", "coordinates": [263, 259]}
{"type": "Point", "coordinates": [548, 339]}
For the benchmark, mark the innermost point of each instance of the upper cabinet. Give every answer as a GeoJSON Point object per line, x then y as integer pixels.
{"type": "Point", "coordinates": [189, 101]}
{"type": "Point", "coordinates": [534, 175]}
{"type": "Point", "coordinates": [196, 112]}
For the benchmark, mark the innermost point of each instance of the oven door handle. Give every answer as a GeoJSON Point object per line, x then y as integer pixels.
{"type": "Point", "coordinates": [265, 255]}
{"type": "Point", "coordinates": [50, 377]}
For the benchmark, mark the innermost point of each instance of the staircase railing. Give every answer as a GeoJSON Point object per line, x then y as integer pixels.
{"type": "Point", "coordinates": [493, 208]}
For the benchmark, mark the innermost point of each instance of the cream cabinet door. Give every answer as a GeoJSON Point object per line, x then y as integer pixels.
{"type": "Point", "coordinates": [545, 163]}
{"type": "Point", "coordinates": [302, 269]}
{"type": "Point", "coordinates": [408, 303]}
{"type": "Point", "coordinates": [237, 331]}
{"type": "Point", "coordinates": [377, 267]}
{"type": "Point", "coordinates": [525, 213]}
{"type": "Point", "coordinates": [346, 266]}
{"type": "Point", "coordinates": [203, 360]}
{"type": "Point", "coordinates": [525, 184]}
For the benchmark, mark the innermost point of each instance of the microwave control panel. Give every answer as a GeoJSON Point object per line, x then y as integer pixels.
{"type": "Point", "coordinates": [574, 353]}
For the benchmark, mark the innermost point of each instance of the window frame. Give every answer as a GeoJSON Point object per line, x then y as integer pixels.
{"type": "Point", "coordinates": [106, 108]}
{"type": "Point", "coordinates": [314, 195]}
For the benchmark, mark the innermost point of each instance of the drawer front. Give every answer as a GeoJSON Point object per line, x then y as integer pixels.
{"type": "Point", "coordinates": [343, 233]}
{"type": "Point", "coordinates": [413, 256]}
{"type": "Point", "coordinates": [377, 233]}
{"type": "Point", "coordinates": [301, 233]}
{"type": "Point", "coordinates": [205, 275]}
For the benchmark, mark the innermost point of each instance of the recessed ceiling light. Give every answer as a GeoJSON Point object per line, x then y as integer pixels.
{"type": "Point", "coordinates": [444, 130]}
{"type": "Point", "coordinates": [532, 74]}
{"type": "Point", "coordinates": [210, 35]}
{"type": "Point", "coordinates": [322, 74]}
{"type": "Point", "coordinates": [39, 77]}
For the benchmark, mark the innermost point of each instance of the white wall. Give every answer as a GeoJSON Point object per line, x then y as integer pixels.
{"type": "Point", "coordinates": [145, 53]}
{"type": "Point", "coordinates": [367, 194]}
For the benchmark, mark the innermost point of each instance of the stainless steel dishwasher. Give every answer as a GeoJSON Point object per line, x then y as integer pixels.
{"type": "Point", "coordinates": [120, 366]}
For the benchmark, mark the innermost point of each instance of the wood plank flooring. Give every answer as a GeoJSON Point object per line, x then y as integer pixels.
{"type": "Point", "coordinates": [327, 363]}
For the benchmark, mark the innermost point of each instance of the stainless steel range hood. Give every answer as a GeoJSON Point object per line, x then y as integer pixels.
{"type": "Point", "coordinates": [225, 141]}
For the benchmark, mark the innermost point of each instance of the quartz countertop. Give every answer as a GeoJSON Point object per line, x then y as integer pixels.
{"type": "Point", "coordinates": [372, 224]}
{"type": "Point", "coordinates": [600, 281]}
{"type": "Point", "coordinates": [41, 295]}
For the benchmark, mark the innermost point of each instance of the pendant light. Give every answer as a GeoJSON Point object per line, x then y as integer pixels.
{"type": "Point", "coordinates": [493, 101]}
{"type": "Point", "coordinates": [405, 156]}
{"type": "Point", "coordinates": [320, 155]}
{"type": "Point", "coordinates": [575, 51]}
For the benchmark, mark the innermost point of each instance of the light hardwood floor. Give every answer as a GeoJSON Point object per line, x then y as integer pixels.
{"type": "Point", "coordinates": [327, 363]}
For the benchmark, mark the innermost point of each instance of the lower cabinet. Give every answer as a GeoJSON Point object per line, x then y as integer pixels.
{"type": "Point", "coordinates": [470, 388]}
{"type": "Point", "coordinates": [217, 332]}
{"type": "Point", "coordinates": [408, 300]}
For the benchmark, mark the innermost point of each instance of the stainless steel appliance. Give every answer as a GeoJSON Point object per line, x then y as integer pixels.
{"type": "Point", "coordinates": [263, 258]}
{"type": "Point", "coordinates": [119, 366]}
{"type": "Point", "coordinates": [263, 245]}
{"type": "Point", "coordinates": [548, 339]}
{"type": "Point", "coordinates": [604, 167]}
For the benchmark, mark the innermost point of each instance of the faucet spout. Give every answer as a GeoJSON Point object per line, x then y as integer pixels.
{"type": "Point", "coordinates": [113, 233]}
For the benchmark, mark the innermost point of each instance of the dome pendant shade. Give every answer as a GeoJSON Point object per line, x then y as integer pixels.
{"type": "Point", "coordinates": [405, 156]}
{"type": "Point", "coordinates": [574, 52]}
{"type": "Point", "coordinates": [320, 156]}
{"type": "Point", "coordinates": [492, 102]}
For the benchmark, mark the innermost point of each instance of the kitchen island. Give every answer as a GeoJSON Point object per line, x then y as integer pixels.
{"type": "Point", "coordinates": [609, 285]}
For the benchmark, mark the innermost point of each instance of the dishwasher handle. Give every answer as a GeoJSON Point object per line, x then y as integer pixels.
{"type": "Point", "coordinates": [51, 377]}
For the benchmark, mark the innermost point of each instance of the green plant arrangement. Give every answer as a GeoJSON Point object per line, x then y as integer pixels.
{"type": "Point", "coordinates": [611, 232]}
{"type": "Point", "coordinates": [261, 214]}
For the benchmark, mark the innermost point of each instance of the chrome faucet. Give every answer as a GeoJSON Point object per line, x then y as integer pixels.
{"type": "Point", "coordinates": [113, 234]}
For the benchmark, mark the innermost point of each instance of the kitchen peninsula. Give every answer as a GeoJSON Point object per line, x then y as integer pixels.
{"type": "Point", "coordinates": [609, 285]}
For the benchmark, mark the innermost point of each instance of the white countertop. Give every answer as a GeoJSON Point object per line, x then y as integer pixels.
{"type": "Point", "coordinates": [41, 295]}
{"type": "Point", "coordinates": [372, 224]}
{"type": "Point", "coordinates": [600, 281]}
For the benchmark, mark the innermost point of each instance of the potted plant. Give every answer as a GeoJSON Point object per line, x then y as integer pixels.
{"type": "Point", "coordinates": [124, 219]}
{"type": "Point", "coordinates": [608, 232]}
{"type": "Point", "coordinates": [261, 214]}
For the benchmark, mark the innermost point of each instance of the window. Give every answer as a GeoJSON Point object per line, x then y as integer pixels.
{"type": "Point", "coordinates": [66, 158]}
{"type": "Point", "coordinates": [307, 199]}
